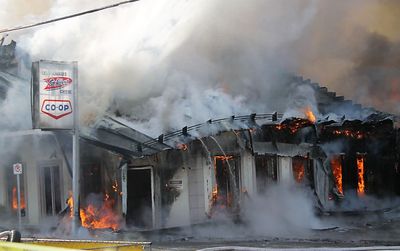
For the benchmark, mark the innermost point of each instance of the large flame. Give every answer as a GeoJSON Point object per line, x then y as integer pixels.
{"type": "Point", "coordinates": [310, 115]}
{"type": "Point", "coordinates": [98, 217]}
{"type": "Point", "coordinates": [15, 199]}
{"type": "Point", "coordinates": [360, 172]}
{"type": "Point", "coordinates": [336, 165]}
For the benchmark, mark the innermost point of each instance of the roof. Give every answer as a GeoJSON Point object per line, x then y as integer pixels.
{"type": "Point", "coordinates": [282, 149]}
{"type": "Point", "coordinates": [116, 134]}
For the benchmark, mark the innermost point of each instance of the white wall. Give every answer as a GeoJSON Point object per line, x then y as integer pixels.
{"type": "Point", "coordinates": [285, 171]}
{"type": "Point", "coordinates": [197, 194]}
{"type": "Point", "coordinates": [209, 183]}
{"type": "Point", "coordinates": [179, 213]}
{"type": "Point", "coordinates": [248, 173]}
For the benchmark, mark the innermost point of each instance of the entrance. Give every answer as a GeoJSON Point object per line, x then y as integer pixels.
{"type": "Point", "coordinates": [50, 176]}
{"type": "Point", "coordinates": [140, 204]}
{"type": "Point", "coordinates": [227, 182]}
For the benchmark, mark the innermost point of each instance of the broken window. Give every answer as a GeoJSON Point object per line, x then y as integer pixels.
{"type": "Point", "coordinates": [299, 168]}
{"type": "Point", "coordinates": [360, 174]}
{"type": "Point", "coordinates": [337, 171]}
{"type": "Point", "coordinates": [266, 171]}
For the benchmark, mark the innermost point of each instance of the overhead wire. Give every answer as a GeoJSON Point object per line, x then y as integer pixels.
{"type": "Point", "coordinates": [67, 17]}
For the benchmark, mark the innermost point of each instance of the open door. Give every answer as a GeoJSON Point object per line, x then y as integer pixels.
{"type": "Point", "coordinates": [139, 198]}
{"type": "Point", "coordinates": [227, 178]}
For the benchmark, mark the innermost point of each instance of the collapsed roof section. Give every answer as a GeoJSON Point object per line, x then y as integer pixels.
{"type": "Point", "coordinates": [338, 112]}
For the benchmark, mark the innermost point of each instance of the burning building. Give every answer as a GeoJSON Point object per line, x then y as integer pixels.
{"type": "Point", "coordinates": [193, 175]}
{"type": "Point", "coordinates": [341, 159]}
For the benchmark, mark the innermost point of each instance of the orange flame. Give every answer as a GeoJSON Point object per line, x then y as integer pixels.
{"type": "Point", "coordinates": [70, 203]}
{"type": "Point", "coordinates": [293, 126]}
{"type": "Point", "coordinates": [310, 115]}
{"type": "Point", "coordinates": [219, 199]}
{"type": "Point", "coordinates": [214, 194]}
{"type": "Point", "coordinates": [15, 199]}
{"type": "Point", "coordinates": [336, 165]}
{"type": "Point", "coordinates": [182, 147]}
{"type": "Point", "coordinates": [298, 170]}
{"type": "Point", "coordinates": [360, 171]}
{"type": "Point", "coordinates": [349, 133]}
{"type": "Point", "coordinates": [94, 217]}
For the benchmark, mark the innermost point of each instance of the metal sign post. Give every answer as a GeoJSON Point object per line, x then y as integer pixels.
{"type": "Point", "coordinates": [75, 154]}
{"type": "Point", "coordinates": [17, 169]}
{"type": "Point", "coordinates": [55, 107]}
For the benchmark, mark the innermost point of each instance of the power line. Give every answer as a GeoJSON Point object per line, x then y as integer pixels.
{"type": "Point", "coordinates": [67, 17]}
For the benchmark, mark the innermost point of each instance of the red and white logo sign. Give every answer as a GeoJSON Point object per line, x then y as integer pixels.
{"type": "Point", "coordinates": [56, 83]}
{"type": "Point", "coordinates": [56, 108]}
{"type": "Point", "coordinates": [17, 168]}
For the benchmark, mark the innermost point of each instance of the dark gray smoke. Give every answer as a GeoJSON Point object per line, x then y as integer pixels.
{"type": "Point", "coordinates": [376, 73]}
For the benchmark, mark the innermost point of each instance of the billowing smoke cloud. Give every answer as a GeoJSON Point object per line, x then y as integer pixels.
{"type": "Point", "coordinates": [353, 49]}
{"type": "Point", "coordinates": [285, 210]}
{"type": "Point", "coordinates": [167, 64]}
{"type": "Point", "coordinates": [178, 62]}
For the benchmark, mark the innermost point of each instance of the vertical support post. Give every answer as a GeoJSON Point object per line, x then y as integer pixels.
{"type": "Point", "coordinates": [75, 154]}
{"type": "Point", "coordinates": [153, 209]}
{"type": "Point", "coordinates": [19, 201]}
{"type": "Point", "coordinates": [124, 184]}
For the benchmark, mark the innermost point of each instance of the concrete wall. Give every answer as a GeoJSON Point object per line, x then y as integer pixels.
{"type": "Point", "coordinates": [179, 214]}
{"type": "Point", "coordinates": [197, 193]}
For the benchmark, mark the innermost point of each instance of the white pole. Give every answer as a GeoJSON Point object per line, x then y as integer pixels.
{"type": "Point", "coordinates": [75, 154]}
{"type": "Point", "coordinates": [19, 202]}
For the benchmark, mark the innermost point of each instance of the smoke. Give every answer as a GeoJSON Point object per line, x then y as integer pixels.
{"type": "Point", "coordinates": [301, 98]}
{"type": "Point", "coordinates": [164, 64]}
{"type": "Point", "coordinates": [169, 61]}
{"type": "Point", "coordinates": [284, 210]}
{"type": "Point", "coordinates": [15, 109]}
{"type": "Point", "coordinates": [377, 68]}
{"type": "Point", "coordinates": [13, 13]}
{"type": "Point", "coordinates": [353, 49]}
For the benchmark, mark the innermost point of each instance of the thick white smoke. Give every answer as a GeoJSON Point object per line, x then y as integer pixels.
{"type": "Point", "coordinates": [160, 62]}
{"type": "Point", "coordinates": [169, 64]}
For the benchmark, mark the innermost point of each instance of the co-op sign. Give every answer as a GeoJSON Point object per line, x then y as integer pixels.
{"type": "Point", "coordinates": [53, 89]}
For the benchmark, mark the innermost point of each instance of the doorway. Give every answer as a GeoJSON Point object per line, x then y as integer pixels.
{"type": "Point", "coordinates": [51, 192]}
{"type": "Point", "coordinates": [227, 179]}
{"type": "Point", "coordinates": [140, 194]}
